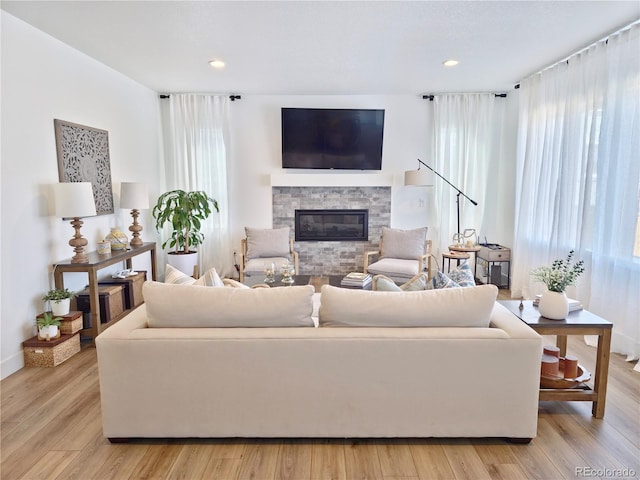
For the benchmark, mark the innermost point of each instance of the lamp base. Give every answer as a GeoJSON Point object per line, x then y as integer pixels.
{"type": "Point", "coordinates": [135, 230]}
{"type": "Point", "coordinates": [78, 242]}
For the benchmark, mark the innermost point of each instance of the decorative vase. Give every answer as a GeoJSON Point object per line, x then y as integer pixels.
{"type": "Point", "coordinates": [117, 239]}
{"type": "Point", "coordinates": [60, 307]}
{"type": "Point", "coordinates": [554, 305]}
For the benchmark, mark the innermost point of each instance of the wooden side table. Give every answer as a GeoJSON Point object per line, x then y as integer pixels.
{"type": "Point", "coordinates": [453, 256]}
{"type": "Point", "coordinates": [474, 249]}
{"type": "Point", "coordinates": [580, 322]}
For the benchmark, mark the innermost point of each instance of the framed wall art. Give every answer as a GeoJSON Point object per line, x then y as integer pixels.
{"type": "Point", "coordinates": [83, 156]}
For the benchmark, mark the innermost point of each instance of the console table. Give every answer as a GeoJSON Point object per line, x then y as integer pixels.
{"type": "Point", "coordinates": [580, 322]}
{"type": "Point", "coordinates": [97, 262]}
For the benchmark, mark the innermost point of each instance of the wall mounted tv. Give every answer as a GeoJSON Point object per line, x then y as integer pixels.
{"type": "Point", "coordinates": [330, 138]}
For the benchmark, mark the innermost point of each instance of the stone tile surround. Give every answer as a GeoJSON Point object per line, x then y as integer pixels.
{"type": "Point", "coordinates": [333, 258]}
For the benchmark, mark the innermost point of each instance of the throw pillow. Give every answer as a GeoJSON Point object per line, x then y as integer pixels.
{"type": "Point", "coordinates": [267, 242]}
{"type": "Point", "coordinates": [463, 275]}
{"type": "Point", "coordinates": [385, 284]}
{"type": "Point", "coordinates": [440, 280]}
{"type": "Point", "coordinates": [175, 276]}
{"type": "Point", "coordinates": [210, 279]}
{"type": "Point", "coordinates": [231, 283]}
{"type": "Point", "coordinates": [406, 244]}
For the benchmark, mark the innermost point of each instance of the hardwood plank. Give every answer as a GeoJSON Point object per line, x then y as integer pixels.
{"type": "Point", "coordinates": [534, 462]}
{"type": "Point", "coordinates": [395, 459]}
{"type": "Point", "coordinates": [191, 462]}
{"type": "Point", "coordinates": [361, 460]}
{"type": "Point", "coordinates": [294, 460]}
{"type": "Point", "coordinates": [121, 463]}
{"type": "Point", "coordinates": [430, 460]}
{"type": "Point", "coordinates": [260, 460]}
{"type": "Point", "coordinates": [156, 461]}
{"type": "Point", "coordinates": [555, 446]}
{"type": "Point", "coordinates": [464, 460]}
{"type": "Point", "coordinates": [328, 461]}
{"type": "Point", "coordinates": [222, 468]}
{"type": "Point", "coordinates": [49, 465]}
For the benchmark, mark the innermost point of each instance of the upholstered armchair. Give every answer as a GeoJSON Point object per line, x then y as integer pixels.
{"type": "Point", "coordinates": [402, 254]}
{"type": "Point", "coordinates": [263, 246]}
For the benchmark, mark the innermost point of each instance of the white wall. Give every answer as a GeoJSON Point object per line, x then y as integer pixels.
{"type": "Point", "coordinates": [43, 79]}
{"type": "Point", "coordinates": [255, 155]}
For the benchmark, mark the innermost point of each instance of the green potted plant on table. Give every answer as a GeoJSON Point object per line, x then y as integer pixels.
{"type": "Point", "coordinates": [554, 303]}
{"type": "Point", "coordinates": [48, 326]}
{"type": "Point", "coordinates": [59, 300]}
{"type": "Point", "coordinates": [185, 212]}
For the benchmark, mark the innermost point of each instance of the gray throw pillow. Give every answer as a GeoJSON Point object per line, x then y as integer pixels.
{"type": "Point", "coordinates": [267, 242]}
{"type": "Point", "coordinates": [405, 244]}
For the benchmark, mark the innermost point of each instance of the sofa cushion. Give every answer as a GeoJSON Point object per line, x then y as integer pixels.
{"type": "Point", "coordinates": [452, 307]}
{"type": "Point", "coordinates": [267, 242]}
{"type": "Point", "coordinates": [395, 267]}
{"type": "Point", "coordinates": [407, 244]}
{"type": "Point", "coordinates": [196, 306]}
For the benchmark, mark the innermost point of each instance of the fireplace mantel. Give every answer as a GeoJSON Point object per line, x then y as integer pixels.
{"type": "Point", "coordinates": [377, 179]}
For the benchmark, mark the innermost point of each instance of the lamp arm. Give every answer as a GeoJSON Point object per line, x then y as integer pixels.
{"type": "Point", "coordinates": [460, 192]}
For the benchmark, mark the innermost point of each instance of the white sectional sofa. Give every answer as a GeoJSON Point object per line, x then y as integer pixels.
{"type": "Point", "coordinates": [222, 362]}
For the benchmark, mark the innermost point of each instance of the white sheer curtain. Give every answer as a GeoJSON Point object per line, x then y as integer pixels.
{"type": "Point", "coordinates": [466, 139]}
{"type": "Point", "coordinates": [195, 131]}
{"type": "Point", "coordinates": [578, 179]}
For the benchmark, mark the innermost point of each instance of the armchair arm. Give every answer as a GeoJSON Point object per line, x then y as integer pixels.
{"type": "Point", "coordinates": [294, 254]}
{"type": "Point", "coordinates": [243, 258]}
{"type": "Point", "coordinates": [367, 259]}
{"type": "Point", "coordinates": [424, 261]}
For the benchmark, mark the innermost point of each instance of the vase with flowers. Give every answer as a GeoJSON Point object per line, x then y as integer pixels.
{"type": "Point", "coordinates": [554, 303]}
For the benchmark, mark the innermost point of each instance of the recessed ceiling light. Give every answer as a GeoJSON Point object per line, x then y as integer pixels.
{"type": "Point", "coordinates": [216, 63]}
{"type": "Point", "coordinates": [450, 63]}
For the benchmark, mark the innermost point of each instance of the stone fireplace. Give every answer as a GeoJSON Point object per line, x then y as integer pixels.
{"type": "Point", "coordinates": [333, 257]}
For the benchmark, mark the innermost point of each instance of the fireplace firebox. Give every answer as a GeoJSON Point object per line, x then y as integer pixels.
{"type": "Point", "coordinates": [332, 225]}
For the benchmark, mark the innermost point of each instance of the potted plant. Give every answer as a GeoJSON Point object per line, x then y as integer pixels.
{"type": "Point", "coordinates": [60, 300]}
{"type": "Point", "coordinates": [185, 212]}
{"type": "Point", "coordinates": [554, 303]}
{"type": "Point", "coordinates": [48, 326]}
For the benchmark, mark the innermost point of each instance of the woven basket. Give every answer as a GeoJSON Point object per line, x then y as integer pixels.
{"type": "Point", "coordinates": [38, 353]}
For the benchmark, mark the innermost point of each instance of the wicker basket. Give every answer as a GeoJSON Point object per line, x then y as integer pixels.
{"type": "Point", "coordinates": [39, 353]}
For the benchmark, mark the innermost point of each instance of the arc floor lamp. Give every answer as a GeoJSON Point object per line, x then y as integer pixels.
{"type": "Point", "coordinates": [421, 178]}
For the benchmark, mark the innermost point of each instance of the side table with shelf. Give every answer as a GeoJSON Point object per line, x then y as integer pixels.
{"type": "Point", "coordinates": [97, 262]}
{"type": "Point", "coordinates": [579, 322]}
{"type": "Point", "coordinates": [496, 263]}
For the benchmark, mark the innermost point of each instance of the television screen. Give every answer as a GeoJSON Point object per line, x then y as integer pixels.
{"type": "Point", "coordinates": [332, 138]}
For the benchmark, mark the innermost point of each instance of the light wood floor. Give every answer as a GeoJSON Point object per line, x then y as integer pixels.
{"type": "Point", "coordinates": [51, 430]}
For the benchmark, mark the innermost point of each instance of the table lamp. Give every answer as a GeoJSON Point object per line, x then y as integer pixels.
{"type": "Point", "coordinates": [75, 200]}
{"type": "Point", "coordinates": [134, 195]}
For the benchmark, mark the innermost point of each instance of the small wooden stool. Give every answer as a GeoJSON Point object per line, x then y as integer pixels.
{"type": "Point", "coordinates": [455, 256]}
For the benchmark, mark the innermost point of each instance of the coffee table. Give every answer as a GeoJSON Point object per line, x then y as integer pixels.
{"type": "Point", "coordinates": [316, 280]}
{"type": "Point", "coordinates": [580, 322]}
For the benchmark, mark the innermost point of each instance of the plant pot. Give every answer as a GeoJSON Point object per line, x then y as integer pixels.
{"type": "Point", "coordinates": [60, 307]}
{"type": "Point", "coordinates": [554, 305]}
{"type": "Point", "coordinates": [185, 262]}
{"type": "Point", "coordinates": [50, 330]}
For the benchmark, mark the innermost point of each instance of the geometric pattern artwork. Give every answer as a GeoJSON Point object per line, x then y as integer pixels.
{"type": "Point", "coordinates": [83, 156]}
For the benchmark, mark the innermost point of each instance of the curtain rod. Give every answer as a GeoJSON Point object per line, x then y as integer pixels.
{"type": "Point", "coordinates": [233, 98]}
{"type": "Point", "coordinates": [566, 59]}
{"type": "Point", "coordinates": [430, 97]}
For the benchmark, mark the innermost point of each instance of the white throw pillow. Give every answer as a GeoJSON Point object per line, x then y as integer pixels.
{"type": "Point", "coordinates": [210, 279]}
{"type": "Point", "coordinates": [175, 276]}
{"type": "Point", "coordinates": [407, 244]}
{"type": "Point", "coordinates": [267, 242]}
{"type": "Point", "coordinates": [450, 307]}
{"type": "Point", "coordinates": [196, 306]}
{"type": "Point", "coordinates": [385, 284]}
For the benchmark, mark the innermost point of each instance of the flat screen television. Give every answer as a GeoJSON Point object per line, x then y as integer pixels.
{"type": "Point", "coordinates": [328, 138]}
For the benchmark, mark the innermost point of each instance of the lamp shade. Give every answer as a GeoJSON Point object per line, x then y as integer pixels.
{"type": "Point", "coordinates": [418, 177]}
{"type": "Point", "coordinates": [74, 199]}
{"type": "Point", "coordinates": [134, 195]}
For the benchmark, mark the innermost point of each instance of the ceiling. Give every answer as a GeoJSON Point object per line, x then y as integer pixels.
{"type": "Point", "coordinates": [327, 47]}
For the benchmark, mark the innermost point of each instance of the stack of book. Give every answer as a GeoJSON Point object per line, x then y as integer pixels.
{"type": "Point", "coordinates": [356, 279]}
{"type": "Point", "coordinates": [573, 304]}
